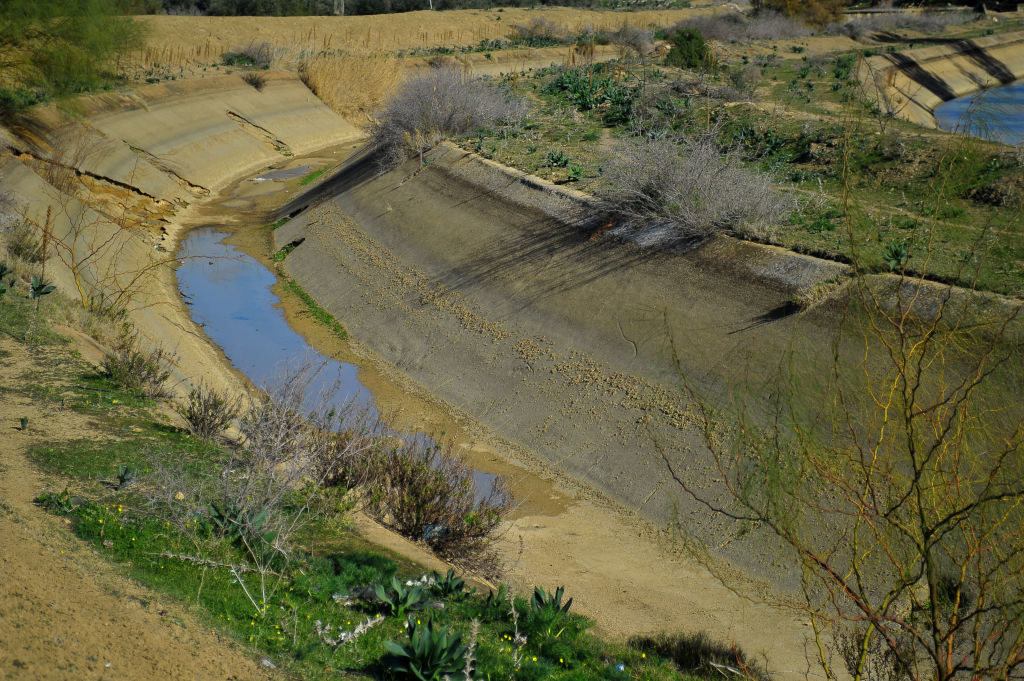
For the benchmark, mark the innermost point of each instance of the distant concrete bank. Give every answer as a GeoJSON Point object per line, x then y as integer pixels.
{"type": "Point", "coordinates": [912, 83]}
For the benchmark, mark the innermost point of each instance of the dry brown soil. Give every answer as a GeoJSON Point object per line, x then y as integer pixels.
{"type": "Point", "coordinates": [65, 612]}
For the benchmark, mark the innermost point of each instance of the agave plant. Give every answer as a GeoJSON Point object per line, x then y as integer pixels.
{"type": "Point", "coordinates": [126, 476]}
{"type": "Point", "coordinates": [896, 255]}
{"type": "Point", "coordinates": [450, 585]}
{"type": "Point", "coordinates": [430, 655]}
{"type": "Point", "coordinates": [548, 616]}
{"type": "Point", "coordinates": [545, 601]}
{"type": "Point", "coordinates": [496, 605]}
{"type": "Point", "coordinates": [398, 599]}
{"type": "Point", "coordinates": [40, 288]}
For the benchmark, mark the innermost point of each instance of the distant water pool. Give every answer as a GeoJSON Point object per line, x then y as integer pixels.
{"type": "Point", "coordinates": [996, 114]}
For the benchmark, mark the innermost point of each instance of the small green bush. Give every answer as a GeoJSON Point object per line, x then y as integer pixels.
{"type": "Point", "coordinates": [140, 372]}
{"type": "Point", "coordinates": [208, 412]}
{"type": "Point", "coordinates": [689, 49]}
{"type": "Point", "coordinates": [339, 573]}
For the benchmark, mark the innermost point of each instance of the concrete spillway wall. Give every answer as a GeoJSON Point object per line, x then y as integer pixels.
{"type": "Point", "coordinates": [912, 83]}
{"type": "Point", "coordinates": [121, 175]}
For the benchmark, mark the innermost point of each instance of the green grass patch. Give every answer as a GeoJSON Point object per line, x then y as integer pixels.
{"type": "Point", "coordinates": [559, 645]}
{"type": "Point", "coordinates": [23, 320]}
{"type": "Point", "coordinates": [283, 252]}
{"type": "Point", "coordinates": [946, 198]}
{"type": "Point", "coordinates": [274, 225]}
{"type": "Point", "coordinates": [318, 313]}
{"type": "Point", "coordinates": [311, 176]}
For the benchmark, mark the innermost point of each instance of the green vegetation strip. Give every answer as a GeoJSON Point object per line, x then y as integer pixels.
{"type": "Point", "coordinates": [312, 176]}
{"type": "Point", "coordinates": [318, 313]}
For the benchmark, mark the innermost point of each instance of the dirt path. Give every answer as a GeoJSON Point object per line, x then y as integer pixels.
{"type": "Point", "coordinates": [64, 611]}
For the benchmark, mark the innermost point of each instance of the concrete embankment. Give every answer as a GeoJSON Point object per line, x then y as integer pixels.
{"type": "Point", "coordinates": [128, 172]}
{"type": "Point", "coordinates": [499, 294]}
{"type": "Point", "coordinates": [912, 83]}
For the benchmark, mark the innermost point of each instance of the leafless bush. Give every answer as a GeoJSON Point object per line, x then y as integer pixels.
{"type": "Point", "coordinates": [142, 371]}
{"type": "Point", "coordinates": [692, 186]}
{"type": "Point", "coordinates": [764, 25]}
{"type": "Point", "coordinates": [267, 491]}
{"type": "Point", "coordinates": [208, 412]}
{"type": "Point", "coordinates": [932, 22]}
{"type": "Point", "coordinates": [745, 80]}
{"type": "Point", "coordinates": [438, 104]}
{"type": "Point", "coordinates": [633, 38]}
{"type": "Point", "coordinates": [538, 30]}
{"type": "Point", "coordinates": [425, 492]}
{"type": "Point", "coordinates": [256, 80]}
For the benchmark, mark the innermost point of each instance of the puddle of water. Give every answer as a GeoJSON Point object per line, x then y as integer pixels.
{"type": "Point", "coordinates": [282, 174]}
{"type": "Point", "coordinates": [995, 114]}
{"type": "Point", "coordinates": [228, 294]}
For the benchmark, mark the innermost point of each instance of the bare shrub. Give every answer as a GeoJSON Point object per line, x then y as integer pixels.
{"type": "Point", "coordinates": [436, 105]}
{"type": "Point", "coordinates": [763, 25]}
{"type": "Point", "coordinates": [538, 31]}
{"type": "Point", "coordinates": [425, 492]}
{"type": "Point", "coordinates": [208, 412]}
{"type": "Point", "coordinates": [139, 370]}
{"type": "Point", "coordinates": [633, 38]}
{"type": "Point", "coordinates": [745, 80]}
{"type": "Point", "coordinates": [266, 491]}
{"type": "Point", "coordinates": [353, 86]}
{"type": "Point", "coordinates": [693, 186]}
{"type": "Point", "coordinates": [256, 80]}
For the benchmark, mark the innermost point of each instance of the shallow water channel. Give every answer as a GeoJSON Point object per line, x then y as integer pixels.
{"type": "Point", "coordinates": [228, 293]}
{"type": "Point", "coordinates": [996, 114]}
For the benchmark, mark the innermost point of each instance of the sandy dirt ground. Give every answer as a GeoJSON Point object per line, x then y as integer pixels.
{"type": "Point", "coordinates": [64, 611]}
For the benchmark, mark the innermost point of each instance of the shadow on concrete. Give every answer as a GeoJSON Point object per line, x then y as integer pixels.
{"type": "Point", "coordinates": [549, 258]}
{"type": "Point", "coordinates": [911, 68]}
{"type": "Point", "coordinates": [361, 167]}
{"type": "Point", "coordinates": [787, 309]}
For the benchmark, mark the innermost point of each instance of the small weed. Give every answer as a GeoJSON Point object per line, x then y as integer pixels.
{"type": "Point", "coordinates": [58, 503]}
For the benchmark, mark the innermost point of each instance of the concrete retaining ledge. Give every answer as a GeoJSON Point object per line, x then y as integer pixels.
{"type": "Point", "coordinates": [911, 84]}
{"type": "Point", "coordinates": [771, 266]}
